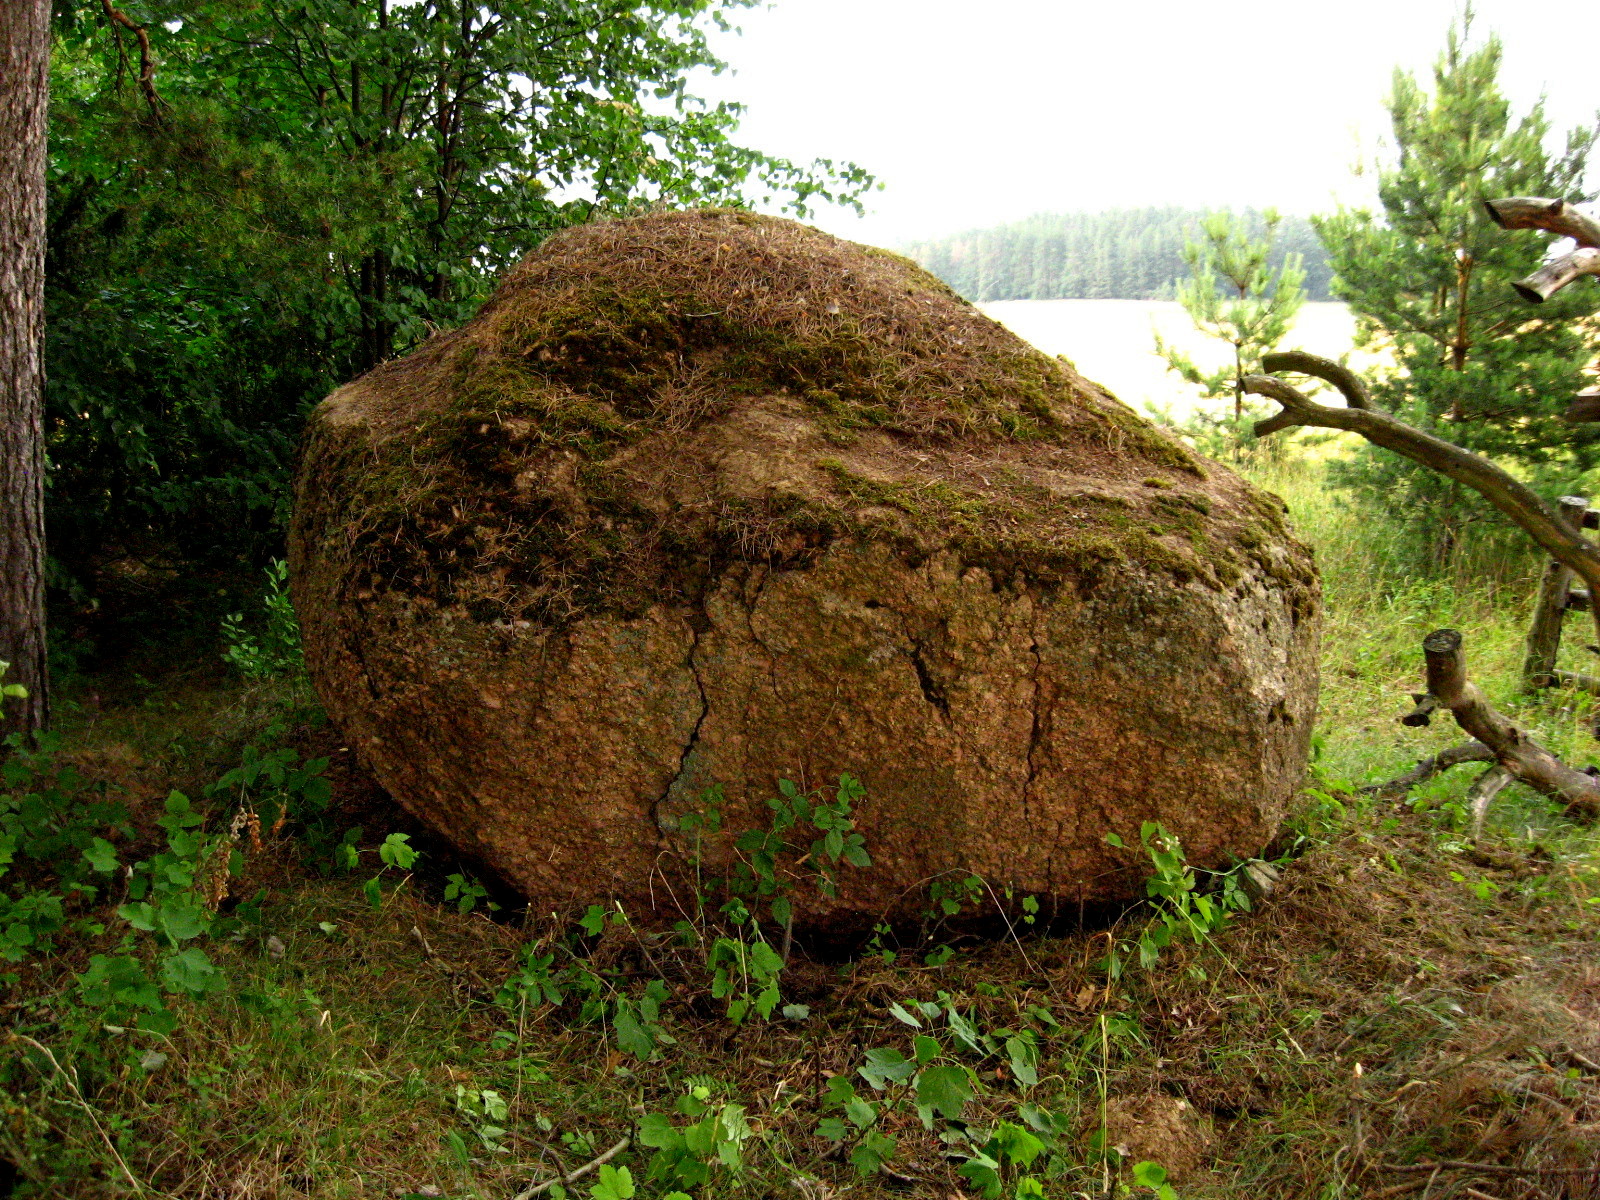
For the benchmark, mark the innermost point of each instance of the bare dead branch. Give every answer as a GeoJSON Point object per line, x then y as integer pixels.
{"type": "Point", "coordinates": [1482, 793]}
{"type": "Point", "coordinates": [1585, 407]}
{"type": "Point", "coordinates": [1429, 767]}
{"type": "Point", "coordinates": [1576, 680]}
{"type": "Point", "coordinates": [539, 1189]}
{"type": "Point", "coordinates": [1557, 273]}
{"type": "Point", "coordinates": [147, 61]}
{"type": "Point", "coordinates": [1350, 385]}
{"type": "Point", "coordinates": [1554, 216]}
{"type": "Point", "coordinates": [1521, 757]}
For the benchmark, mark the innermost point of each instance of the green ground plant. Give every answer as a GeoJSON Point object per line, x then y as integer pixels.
{"type": "Point", "coordinates": [270, 644]}
{"type": "Point", "coordinates": [348, 1040]}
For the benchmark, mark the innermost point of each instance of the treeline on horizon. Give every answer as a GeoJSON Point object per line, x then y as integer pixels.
{"type": "Point", "coordinates": [1122, 254]}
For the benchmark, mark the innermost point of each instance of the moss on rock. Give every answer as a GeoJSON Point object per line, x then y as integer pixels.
{"type": "Point", "coordinates": [505, 450]}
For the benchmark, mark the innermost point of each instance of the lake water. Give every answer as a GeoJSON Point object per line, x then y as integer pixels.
{"type": "Point", "coordinates": [1113, 342]}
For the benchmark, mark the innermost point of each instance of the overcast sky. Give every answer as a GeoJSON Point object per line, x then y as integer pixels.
{"type": "Point", "coordinates": [976, 113]}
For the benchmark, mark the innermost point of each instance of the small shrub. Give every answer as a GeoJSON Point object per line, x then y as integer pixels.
{"type": "Point", "coordinates": [275, 649]}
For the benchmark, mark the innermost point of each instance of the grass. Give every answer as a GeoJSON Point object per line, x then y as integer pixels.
{"type": "Point", "coordinates": [1402, 997]}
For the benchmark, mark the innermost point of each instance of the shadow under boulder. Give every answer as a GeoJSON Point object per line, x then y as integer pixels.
{"type": "Point", "coordinates": [709, 499]}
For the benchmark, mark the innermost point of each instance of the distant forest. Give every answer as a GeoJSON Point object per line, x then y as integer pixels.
{"type": "Point", "coordinates": [1124, 254]}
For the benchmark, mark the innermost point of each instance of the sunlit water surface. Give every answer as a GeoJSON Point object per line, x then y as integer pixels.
{"type": "Point", "coordinates": [1113, 342]}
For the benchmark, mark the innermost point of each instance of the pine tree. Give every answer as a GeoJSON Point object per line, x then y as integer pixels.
{"type": "Point", "coordinates": [24, 74]}
{"type": "Point", "coordinates": [1430, 277]}
{"type": "Point", "coordinates": [1235, 295]}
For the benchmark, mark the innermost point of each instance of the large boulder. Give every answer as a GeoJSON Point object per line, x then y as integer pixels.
{"type": "Point", "coordinates": [712, 499]}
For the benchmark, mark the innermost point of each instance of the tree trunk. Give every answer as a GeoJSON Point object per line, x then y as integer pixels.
{"type": "Point", "coordinates": [24, 84]}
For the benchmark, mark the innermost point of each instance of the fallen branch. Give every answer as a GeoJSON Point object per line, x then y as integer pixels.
{"type": "Point", "coordinates": [539, 1189]}
{"type": "Point", "coordinates": [1576, 680]}
{"type": "Point", "coordinates": [1553, 216]}
{"type": "Point", "coordinates": [1429, 767]}
{"type": "Point", "coordinates": [1518, 754]}
{"type": "Point", "coordinates": [1482, 793]}
{"type": "Point", "coordinates": [1557, 273]}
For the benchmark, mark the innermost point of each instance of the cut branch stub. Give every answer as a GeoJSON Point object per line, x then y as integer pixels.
{"type": "Point", "coordinates": [1522, 757]}
{"type": "Point", "coordinates": [1585, 407]}
{"type": "Point", "coordinates": [1553, 216]}
{"type": "Point", "coordinates": [1557, 273]}
{"type": "Point", "coordinates": [1422, 714]}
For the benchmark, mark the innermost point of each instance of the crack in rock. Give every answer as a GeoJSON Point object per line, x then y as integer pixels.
{"type": "Point", "coordinates": [665, 821]}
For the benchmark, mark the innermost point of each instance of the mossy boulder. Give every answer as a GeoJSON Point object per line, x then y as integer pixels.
{"type": "Point", "coordinates": [710, 499]}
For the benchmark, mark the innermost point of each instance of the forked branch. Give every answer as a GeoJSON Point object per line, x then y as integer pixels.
{"type": "Point", "coordinates": [1518, 755]}
{"type": "Point", "coordinates": [147, 60]}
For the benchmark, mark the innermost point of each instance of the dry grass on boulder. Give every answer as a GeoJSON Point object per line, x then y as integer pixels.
{"type": "Point", "coordinates": [543, 460]}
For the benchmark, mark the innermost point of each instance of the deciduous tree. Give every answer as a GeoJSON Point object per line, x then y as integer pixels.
{"type": "Point", "coordinates": [307, 187]}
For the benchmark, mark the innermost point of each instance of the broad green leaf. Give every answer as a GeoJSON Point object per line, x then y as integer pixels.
{"type": "Point", "coordinates": [189, 971]}
{"type": "Point", "coordinates": [182, 921]}
{"type": "Point", "coordinates": [631, 1035]}
{"type": "Point", "coordinates": [945, 1089]}
{"type": "Point", "coordinates": [101, 856]}
{"type": "Point", "coordinates": [656, 1131]}
{"type": "Point", "coordinates": [616, 1183]}
{"type": "Point", "coordinates": [1149, 1174]}
{"type": "Point", "coordinates": [899, 1013]}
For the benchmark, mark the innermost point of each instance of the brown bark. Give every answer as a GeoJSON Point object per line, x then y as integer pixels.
{"type": "Point", "coordinates": [1585, 407]}
{"type": "Point", "coordinates": [1557, 273]}
{"type": "Point", "coordinates": [24, 83]}
{"type": "Point", "coordinates": [1544, 632]}
{"type": "Point", "coordinates": [1518, 754]}
{"type": "Point", "coordinates": [1422, 714]}
{"type": "Point", "coordinates": [1554, 216]}
{"type": "Point", "coordinates": [147, 59]}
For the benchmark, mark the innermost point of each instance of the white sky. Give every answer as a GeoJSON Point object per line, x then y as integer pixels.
{"type": "Point", "coordinates": [976, 113]}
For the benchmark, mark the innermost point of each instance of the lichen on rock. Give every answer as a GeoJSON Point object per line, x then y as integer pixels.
{"type": "Point", "coordinates": [709, 498]}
